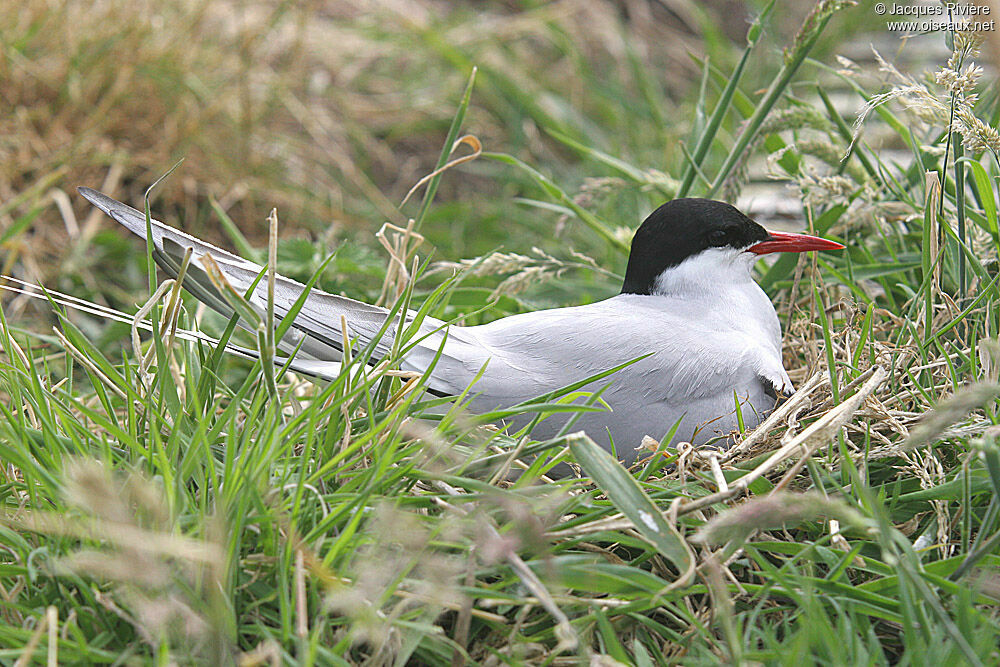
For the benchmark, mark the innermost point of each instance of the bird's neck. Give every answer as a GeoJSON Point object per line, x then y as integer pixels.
{"type": "Point", "coordinates": [710, 273]}
{"type": "Point", "coordinates": [727, 292]}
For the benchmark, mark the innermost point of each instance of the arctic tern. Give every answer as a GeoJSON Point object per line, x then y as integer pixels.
{"type": "Point", "coordinates": [702, 336]}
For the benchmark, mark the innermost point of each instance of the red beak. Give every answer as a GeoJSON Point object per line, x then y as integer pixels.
{"type": "Point", "coordinates": [786, 242]}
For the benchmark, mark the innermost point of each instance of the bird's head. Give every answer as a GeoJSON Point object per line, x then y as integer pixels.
{"type": "Point", "coordinates": [694, 242]}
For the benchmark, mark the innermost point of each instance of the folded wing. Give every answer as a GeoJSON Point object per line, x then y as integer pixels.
{"type": "Point", "coordinates": [317, 327]}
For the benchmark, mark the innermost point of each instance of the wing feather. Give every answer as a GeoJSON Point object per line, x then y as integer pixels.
{"type": "Point", "coordinates": [319, 319]}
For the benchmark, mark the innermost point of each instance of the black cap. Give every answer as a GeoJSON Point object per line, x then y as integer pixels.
{"type": "Point", "coordinates": [680, 229]}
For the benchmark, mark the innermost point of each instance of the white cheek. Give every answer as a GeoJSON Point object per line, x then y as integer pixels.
{"type": "Point", "coordinates": [708, 271]}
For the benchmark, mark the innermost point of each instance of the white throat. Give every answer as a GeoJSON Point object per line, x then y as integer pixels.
{"type": "Point", "coordinates": [710, 271]}
{"type": "Point", "coordinates": [719, 280]}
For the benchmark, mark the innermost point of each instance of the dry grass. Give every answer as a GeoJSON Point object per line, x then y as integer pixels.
{"type": "Point", "coordinates": [324, 110]}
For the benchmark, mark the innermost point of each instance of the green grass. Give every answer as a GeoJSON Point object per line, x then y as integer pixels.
{"type": "Point", "coordinates": [174, 504]}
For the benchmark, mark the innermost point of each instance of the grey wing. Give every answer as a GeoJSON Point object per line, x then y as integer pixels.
{"type": "Point", "coordinates": [688, 372]}
{"type": "Point", "coordinates": [317, 325]}
{"type": "Point", "coordinates": [688, 358]}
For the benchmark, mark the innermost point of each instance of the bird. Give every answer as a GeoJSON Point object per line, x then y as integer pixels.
{"type": "Point", "coordinates": [695, 340]}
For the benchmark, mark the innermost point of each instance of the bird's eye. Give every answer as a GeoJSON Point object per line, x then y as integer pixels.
{"type": "Point", "coordinates": [718, 238]}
